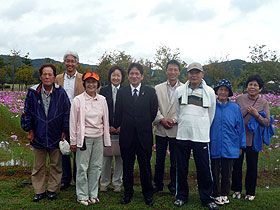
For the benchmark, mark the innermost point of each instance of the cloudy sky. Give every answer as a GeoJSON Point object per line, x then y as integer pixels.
{"type": "Point", "coordinates": [201, 29]}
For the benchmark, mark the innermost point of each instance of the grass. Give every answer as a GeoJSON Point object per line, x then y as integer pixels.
{"type": "Point", "coordinates": [14, 194]}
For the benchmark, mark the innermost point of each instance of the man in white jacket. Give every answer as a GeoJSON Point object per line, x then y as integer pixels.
{"type": "Point", "coordinates": [195, 104]}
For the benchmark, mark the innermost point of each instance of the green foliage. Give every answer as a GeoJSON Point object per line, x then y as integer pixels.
{"type": "Point", "coordinates": [13, 64]}
{"type": "Point", "coordinates": [24, 75]}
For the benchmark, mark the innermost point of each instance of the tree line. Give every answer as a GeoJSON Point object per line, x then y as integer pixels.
{"type": "Point", "coordinates": [19, 70]}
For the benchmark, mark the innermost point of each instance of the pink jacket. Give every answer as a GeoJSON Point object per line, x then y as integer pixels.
{"type": "Point", "coordinates": [77, 120]}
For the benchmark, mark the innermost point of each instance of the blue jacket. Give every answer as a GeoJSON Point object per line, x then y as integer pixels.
{"type": "Point", "coordinates": [227, 133]}
{"type": "Point", "coordinates": [47, 129]}
{"type": "Point", "coordinates": [261, 133]}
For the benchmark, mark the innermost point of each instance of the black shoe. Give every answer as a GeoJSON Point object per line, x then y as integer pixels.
{"type": "Point", "coordinates": [211, 205]}
{"type": "Point", "coordinates": [39, 197]}
{"type": "Point", "coordinates": [126, 200]}
{"type": "Point", "coordinates": [157, 189]}
{"type": "Point", "coordinates": [171, 189]}
{"type": "Point", "coordinates": [149, 201]}
{"type": "Point", "coordinates": [64, 186]}
{"type": "Point", "coordinates": [51, 195]}
{"type": "Point", "coordinates": [179, 203]}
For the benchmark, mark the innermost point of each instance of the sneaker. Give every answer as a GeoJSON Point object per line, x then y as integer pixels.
{"type": "Point", "coordinates": [211, 205]}
{"type": "Point", "coordinates": [85, 202]}
{"type": "Point", "coordinates": [236, 195]}
{"type": "Point", "coordinates": [225, 199]}
{"type": "Point", "coordinates": [117, 189]}
{"type": "Point", "coordinates": [249, 197]}
{"type": "Point", "coordinates": [219, 200]}
{"type": "Point", "coordinates": [94, 200]}
{"type": "Point", "coordinates": [103, 188]}
{"type": "Point", "coordinates": [179, 203]}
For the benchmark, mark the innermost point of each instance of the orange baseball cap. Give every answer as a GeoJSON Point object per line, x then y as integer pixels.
{"type": "Point", "coordinates": [90, 75]}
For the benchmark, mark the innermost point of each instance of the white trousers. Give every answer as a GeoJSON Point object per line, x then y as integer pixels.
{"type": "Point", "coordinates": [89, 164]}
{"type": "Point", "coordinates": [106, 171]}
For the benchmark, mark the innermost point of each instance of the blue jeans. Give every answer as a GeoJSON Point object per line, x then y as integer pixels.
{"type": "Point", "coordinates": [161, 147]}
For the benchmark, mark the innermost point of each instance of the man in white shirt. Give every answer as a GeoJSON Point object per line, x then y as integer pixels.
{"type": "Point", "coordinates": [195, 108]}
{"type": "Point", "coordinates": [71, 81]}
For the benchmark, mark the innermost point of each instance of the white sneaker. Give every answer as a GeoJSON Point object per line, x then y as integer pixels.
{"type": "Point", "coordinates": [219, 200]}
{"type": "Point", "coordinates": [103, 188]}
{"type": "Point", "coordinates": [236, 195]}
{"type": "Point", "coordinates": [117, 189]}
{"type": "Point", "coordinates": [249, 197]}
{"type": "Point", "coordinates": [94, 200]}
{"type": "Point", "coordinates": [225, 199]}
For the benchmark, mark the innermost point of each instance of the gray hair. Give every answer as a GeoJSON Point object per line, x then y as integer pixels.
{"type": "Point", "coordinates": [73, 53]}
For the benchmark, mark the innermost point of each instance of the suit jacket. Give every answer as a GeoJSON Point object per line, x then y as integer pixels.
{"type": "Point", "coordinates": [107, 93]}
{"type": "Point", "coordinates": [79, 88]}
{"type": "Point", "coordinates": [136, 116]}
{"type": "Point", "coordinates": [166, 110]}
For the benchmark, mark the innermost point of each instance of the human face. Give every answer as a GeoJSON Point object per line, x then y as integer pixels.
{"type": "Point", "coordinates": [172, 72]}
{"type": "Point", "coordinates": [223, 93]}
{"type": "Point", "coordinates": [195, 77]}
{"type": "Point", "coordinates": [47, 77]}
{"type": "Point", "coordinates": [70, 63]}
{"type": "Point", "coordinates": [135, 77]}
{"type": "Point", "coordinates": [91, 86]}
{"type": "Point", "coordinates": [253, 88]}
{"type": "Point", "coordinates": [116, 77]}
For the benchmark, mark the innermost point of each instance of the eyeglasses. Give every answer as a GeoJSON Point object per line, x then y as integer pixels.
{"type": "Point", "coordinates": [70, 61]}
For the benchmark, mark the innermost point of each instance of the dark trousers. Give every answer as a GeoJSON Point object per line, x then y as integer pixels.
{"type": "Point", "coordinates": [203, 167]}
{"type": "Point", "coordinates": [251, 173]}
{"type": "Point", "coordinates": [221, 166]}
{"type": "Point", "coordinates": [161, 147]}
{"type": "Point", "coordinates": [143, 157]}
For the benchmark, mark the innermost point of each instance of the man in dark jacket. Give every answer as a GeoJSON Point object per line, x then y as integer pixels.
{"type": "Point", "coordinates": [46, 118]}
{"type": "Point", "coordinates": [136, 109]}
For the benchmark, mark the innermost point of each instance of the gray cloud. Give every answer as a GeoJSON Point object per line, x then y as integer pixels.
{"type": "Point", "coordinates": [181, 11]}
{"type": "Point", "coordinates": [249, 5]}
{"type": "Point", "coordinates": [18, 9]}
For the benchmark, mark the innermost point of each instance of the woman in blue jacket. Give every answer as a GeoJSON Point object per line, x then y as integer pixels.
{"type": "Point", "coordinates": [227, 136]}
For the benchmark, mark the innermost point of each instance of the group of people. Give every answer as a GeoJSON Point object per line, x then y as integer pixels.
{"type": "Point", "coordinates": [118, 122]}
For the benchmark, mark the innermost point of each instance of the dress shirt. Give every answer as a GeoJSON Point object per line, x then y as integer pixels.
{"type": "Point", "coordinates": [137, 88]}
{"type": "Point", "coordinates": [114, 95]}
{"type": "Point", "coordinates": [46, 99]}
{"type": "Point", "coordinates": [69, 85]}
{"type": "Point", "coordinates": [172, 89]}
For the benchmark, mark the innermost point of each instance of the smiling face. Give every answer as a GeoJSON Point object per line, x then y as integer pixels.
{"type": "Point", "coordinates": [253, 88]}
{"type": "Point", "coordinates": [70, 63]}
{"type": "Point", "coordinates": [91, 86]}
{"type": "Point", "coordinates": [135, 77]}
{"type": "Point", "coordinates": [195, 77]}
{"type": "Point", "coordinates": [172, 72]}
{"type": "Point", "coordinates": [47, 77]}
{"type": "Point", "coordinates": [116, 77]}
{"type": "Point", "coordinates": [223, 93]}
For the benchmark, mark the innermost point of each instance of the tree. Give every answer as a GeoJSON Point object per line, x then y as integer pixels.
{"type": "Point", "coordinates": [215, 71]}
{"type": "Point", "coordinates": [14, 63]}
{"type": "Point", "coordinates": [24, 75]}
{"type": "Point", "coordinates": [108, 59]}
{"type": "Point", "coordinates": [26, 60]}
{"type": "Point", "coordinates": [266, 63]}
{"type": "Point", "coordinates": [3, 75]}
{"type": "Point", "coordinates": [162, 56]}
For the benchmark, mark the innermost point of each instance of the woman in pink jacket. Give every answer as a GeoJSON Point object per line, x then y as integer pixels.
{"type": "Point", "coordinates": [89, 131]}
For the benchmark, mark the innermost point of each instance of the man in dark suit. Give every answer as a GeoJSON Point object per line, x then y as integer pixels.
{"type": "Point", "coordinates": [136, 108]}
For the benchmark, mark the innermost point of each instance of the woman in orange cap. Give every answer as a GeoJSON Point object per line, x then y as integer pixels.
{"type": "Point", "coordinates": [89, 131]}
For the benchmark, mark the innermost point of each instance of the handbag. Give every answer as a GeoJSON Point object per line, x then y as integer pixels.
{"type": "Point", "coordinates": [114, 149]}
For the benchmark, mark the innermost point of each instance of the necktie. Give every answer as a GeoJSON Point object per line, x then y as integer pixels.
{"type": "Point", "coordinates": [135, 95]}
{"type": "Point", "coordinates": [115, 90]}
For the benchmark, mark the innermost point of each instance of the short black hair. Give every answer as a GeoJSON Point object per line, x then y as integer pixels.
{"type": "Point", "coordinates": [136, 65]}
{"type": "Point", "coordinates": [112, 69]}
{"type": "Point", "coordinates": [173, 62]}
{"type": "Point", "coordinates": [47, 65]}
{"type": "Point", "coordinates": [257, 78]}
